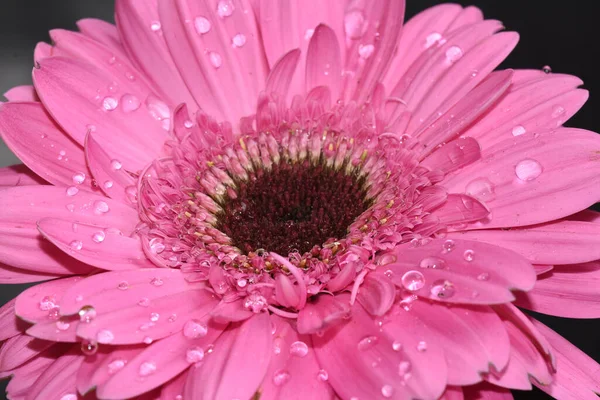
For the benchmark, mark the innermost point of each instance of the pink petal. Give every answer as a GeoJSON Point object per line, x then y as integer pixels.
{"type": "Point", "coordinates": [102, 32]}
{"type": "Point", "coordinates": [242, 347]}
{"type": "Point", "coordinates": [323, 61]}
{"type": "Point", "coordinates": [99, 246]}
{"type": "Point", "coordinates": [19, 175]}
{"type": "Point", "coordinates": [294, 372]}
{"type": "Point", "coordinates": [485, 391]}
{"type": "Point", "coordinates": [286, 292]}
{"type": "Point", "coordinates": [231, 311]}
{"type": "Point", "coordinates": [22, 93]}
{"type": "Point", "coordinates": [460, 209]}
{"type": "Point", "coordinates": [10, 275]}
{"type": "Point", "coordinates": [360, 359]}
{"type": "Point", "coordinates": [116, 290]}
{"type": "Point", "coordinates": [470, 273]}
{"type": "Point", "coordinates": [569, 291]}
{"type": "Point", "coordinates": [35, 138]}
{"type": "Point", "coordinates": [58, 380]}
{"type": "Point", "coordinates": [20, 349]}
{"type": "Point", "coordinates": [148, 49]}
{"type": "Point", "coordinates": [36, 303]}
{"type": "Point", "coordinates": [10, 324]}
{"type": "Point", "coordinates": [578, 241]}
{"type": "Point", "coordinates": [453, 393]}
{"type": "Point", "coordinates": [322, 313]}
{"type": "Point", "coordinates": [133, 135]}
{"type": "Point", "coordinates": [232, 71]}
{"type": "Point", "coordinates": [541, 269]}
{"type": "Point", "coordinates": [159, 362]}
{"type": "Point", "coordinates": [577, 374]}
{"type": "Point", "coordinates": [280, 76]}
{"type": "Point", "coordinates": [63, 329]}
{"type": "Point", "coordinates": [454, 155]}
{"type": "Point", "coordinates": [377, 294]}
{"type": "Point", "coordinates": [175, 387]}
{"type": "Point", "coordinates": [559, 176]}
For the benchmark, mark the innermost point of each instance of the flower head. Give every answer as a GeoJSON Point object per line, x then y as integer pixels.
{"type": "Point", "coordinates": [279, 200]}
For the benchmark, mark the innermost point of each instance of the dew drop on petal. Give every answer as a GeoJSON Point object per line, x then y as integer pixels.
{"type": "Point", "coordinates": [54, 313]}
{"type": "Point", "coordinates": [239, 40]}
{"type": "Point", "coordinates": [367, 342]}
{"type": "Point", "coordinates": [99, 237]}
{"type": "Point", "coordinates": [148, 340]}
{"type": "Point", "coordinates": [365, 51]}
{"type": "Point", "coordinates": [116, 366]}
{"type": "Point", "coordinates": [469, 255]}
{"type": "Point", "coordinates": [225, 8]}
{"type": "Point", "coordinates": [155, 26]}
{"type": "Point", "coordinates": [442, 289]}
{"type": "Point", "coordinates": [157, 282]}
{"type": "Point", "coordinates": [557, 111]}
{"type": "Point", "coordinates": [72, 191]}
{"type": "Point", "coordinates": [130, 103]}
{"type": "Point", "coordinates": [387, 391]}
{"type": "Point", "coordinates": [108, 184]}
{"type": "Point", "coordinates": [172, 318]}
{"type": "Point", "coordinates": [194, 355]}
{"type": "Point", "coordinates": [413, 280]}
{"type": "Point", "coordinates": [281, 377]}
{"type": "Point", "coordinates": [397, 346]}
{"type": "Point", "coordinates": [354, 24]}
{"type": "Point", "coordinates": [188, 123]}
{"type": "Point", "coordinates": [528, 170]}
{"type": "Point", "coordinates": [78, 178]}
{"type": "Point", "coordinates": [62, 325]}
{"type": "Point", "coordinates": [89, 347]}
{"type": "Point", "coordinates": [432, 39]}
{"type": "Point", "coordinates": [154, 317]}
{"type": "Point", "coordinates": [299, 349]}
{"type": "Point", "coordinates": [404, 367]}
{"type": "Point", "coordinates": [144, 302]}
{"type": "Point", "coordinates": [518, 130]}
{"type": "Point", "coordinates": [87, 314]}
{"type": "Point", "coordinates": [116, 165]}
{"type": "Point", "coordinates": [448, 245]}
{"type": "Point", "coordinates": [215, 59]}
{"type": "Point", "coordinates": [432, 262]}
{"type": "Point", "coordinates": [194, 329]}
{"type": "Point", "coordinates": [546, 69]}
{"type": "Point", "coordinates": [123, 285]}
{"type": "Point", "coordinates": [101, 207]}
{"type": "Point", "coordinates": [481, 188]}
{"type": "Point", "coordinates": [422, 346]}
{"type": "Point", "coordinates": [453, 54]}
{"type": "Point", "coordinates": [484, 276]}
{"type": "Point", "coordinates": [47, 303]}
{"type": "Point", "coordinates": [308, 34]}
{"type": "Point", "coordinates": [202, 25]}
{"type": "Point", "coordinates": [109, 103]}
{"type": "Point", "coordinates": [147, 368]}
{"type": "Point", "coordinates": [76, 245]}
{"type": "Point", "coordinates": [323, 375]}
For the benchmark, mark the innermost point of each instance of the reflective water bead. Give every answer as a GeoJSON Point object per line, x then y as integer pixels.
{"type": "Point", "coordinates": [528, 170]}
{"type": "Point", "coordinates": [422, 346]}
{"type": "Point", "coordinates": [147, 340]}
{"type": "Point", "coordinates": [225, 8]}
{"type": "Point", "coordinates": [194, 355]}
{"type": "Point", "coordinates": [156, 282]}
{"type": "Point", "coordinates": [484, 276]}
{"type": "Point", "coordinates": [354, 24]}
{"type": "Point", "coordinates": [367, 342]}
{"type": "Point", "coordinates": [72, 191]}
{"type": "Point", "coordinates": [147, 368]}
{"type": "Point", "coordinates": [156, 246]}
{"type": "Point", "coordinates": [99, 237]}
{"type": "Point", "coordinates": [123, 285]}
{"type": "Point", "coordinates": [76, 245]}
{"type": "Point", "coordinates": [62, 325]}
{"type": "Point", "coordinates": [281, 377]}
{"type": "Point", "coordinates": [453, 54]}
{"type": "Point", "coordinates": [518, 130]}
{"type": "Point", "coordinates": [432, 39]}
{"type": "Point", "coordinates": [469, 255]}
{"type": "Point", "coordinates": [448, 245]}
{"type": "Point", "coordinates": [365, 51]}
{"type": "Point", "coordinates": [323, 375]}
{"type": "Point", "coordinates": [155, 26]}
{"type": "Point", "coordinates": [101, 207]}
{"type": "Point", "coordinates": [404, 367]}
{"type": "Point", "coordinates": [546, 69]}
{"type": "Point", "coordinates": [116, 366]}
{"type": "Point", "coordinates": [144, 302]}
{"type": "Point", "coordinates": [299, 349]}
{"type": "Point", "coordinates": [481, 188]}
{"type": "Point", "coordinates": [172, 318]}
{"type": "Point", "coordinates": [116, 165]}
{"type": "Point", "coordinates": [432, 262]}
{"type": "Point", "coordinates": [89, 347]}
{"type": "Point", "coordinates": [194, 329]}
{"type": "Point", "coordinates": [108, 184]}
{"type": "Point", "coordinates": [397, 346]}
{"type": "Point", "coordinates": [242, 282]}
{"type": "Point", "coordinates": [87, 314]}
{"type": "Point", "coordinates": [238, 40]}
{"type": "Point", "coordinates": [413, 280]}
{"type": "Point", "coordinates": [188, 123]}
{"type": "Point", "coordinates": [215, 59]}
{"type": "Point", "coordinates": [442, 289]}
{"type": "Point", "coordinates": [54, 313]}
{"type": "Point", "coordinates": [109, 103]}
{"type": "Point", "coordinates": [78, 178]}
{"type": "Point", "coordinates": [47, 303]}
{"type": "Point", "coordinates": [130, 103]}
{"type": "Point", "coordinates": [154, 317]}
{"type": "Point", "coordinates": [387, 391]}
{"type": "Point", "coordinates": [202, 25]}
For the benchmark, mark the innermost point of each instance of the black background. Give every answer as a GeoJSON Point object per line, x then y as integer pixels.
{"type": "Point", "coordinates": [563, 35]}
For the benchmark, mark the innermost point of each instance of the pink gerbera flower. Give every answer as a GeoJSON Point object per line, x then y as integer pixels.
{"type": "Point", "coordinates": [286, 199]}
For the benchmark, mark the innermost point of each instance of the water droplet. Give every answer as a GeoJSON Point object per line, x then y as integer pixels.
{"type": "Point", "coordinates": [215, 59]}
{"type": "Point", "coordinates": [448, 245]}
{"type": "Point", "coordinates": [194, 355]}
{"type": "Point", "coordinates": [365, 51]}
{"type": "Point", "coordinates": [116, 366]}
{"type": "Point", "coordinates": [89, 347]}
{"type": "Point", "coordinates": [469, 255]}
{"type": "Point", "coordinates": [546, 69]}
{"type": "Point", "coordinates": [68, 396]}
{"type": "Point", "coordinates": [188, 123]}
{"type": "Point", "coordinates": [123, 285]}
{"type": "Point", "coordinates": [255, 302]}
{"type": "Point", "coordinates": [131, 192]}
{"type": "Point", "coordinates": [155, 26]}
{"type": "Point", "coordinates": [172, 318]}
{"type": "Point", "coordinates": [442, 289]}
{"type": "Point", "coordinates": [194, 329]}
{"type": "Point", "coordinates": [242, 282]}
{"type": "Point", "coordinates": [130, 103]}
{"type": "Point", "coordinates": [528, 170]}
{"type": "Point", "coordinates": [110, 103]}
{"type": "Point", "coordinates": [99, 237]}
{"type": "Point", "coordinates": [404, 367]}
{"type": "Point", "coordinates": [557, 111]}
{"type": "Point", "coordinates": [413, 280]}
{"type": "Point", "coordinates": [54, 313]}
{"type": "Point", "coordinates": [116, 165]}
{"type": "Point", "coordinates": [62, 325]}
{"type": "Point", "coordinates": [397, 346]}
{"type": "Point", "coordinates": [308, 34]}
{"type": "Point", "coordinates": [225, 8]}
{"type": "Point", "coordinates": [484, 276]}
{"type": "Point", "coordinates": [202, 25]}
{"type": "Point", "coordinates": [108, 184]}
{"type": "Point", "coordinates": [238, 40]}
{"type": "Point", "coordinates": [144, 302]}
{"type": "Point", "coordinates": [422, 346]}
{"type": "Point", "coordinates": [481, 188]}
{"type": "Point", "coordinates": [432, 262]}
{"type": "Point", "coordinates": [76, 245]}
{"type": "Point", "coordinates": [72, 191]}
{"type": "Point", "coordinates": [47, 303]}
{"type": "Point", "coordinates": [367, 342]}
{"type": "Point", "coordinates": [322, 375]}
{"type": "Point", "coordinates": [299, 349]}
{"type": "Point", "coordinates": [281, 377]}
{"type": "Point", "coordinates": [154, 317]}
{"type": "Point", "coordinates": [147, 368]}
{"type": "Point", "coordinates": [387, 391]}
{"type": "Point", "coordinates": [87, 314]}
{"type": "Point", "coordinates": [78, 178]}
{"type": "Point", "coordinates": [148, 340]}
{"type": "Point", "coordinates": [101, 207]}
{"type": "Point", "coordinates": [432, 39]}
{"type": "Point", "coordinates": [518, 130]}
{"type": "Point", "coordinates": [354, 24]}
{"type": "Point", "coordinates": [453, 54]}
{"type": "Point", "coordinates": [157, 282]}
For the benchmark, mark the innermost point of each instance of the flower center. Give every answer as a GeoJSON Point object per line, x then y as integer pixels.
{"type": "Point", "coordinates": [292, 207]}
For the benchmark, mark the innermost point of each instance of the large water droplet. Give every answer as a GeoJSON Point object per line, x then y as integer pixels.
{"type": "Point", "coordinates": [432, 262]}
{"type": "Point", "coordinates": [89, 347]}
{"type": "Point", "coordinates": [154, 317]}
{"type": "Point", "coordinates": [116, 366]}
{"type": "Point", "coordinates": [528, 170]}
{"type": "Point", "coordinates": [78, 178]}
{"type": "Point", "coordinates": [194, 355]}
{"type": "Point", "coordinates": [76, 245]}
{"type": "Point", "coordinates": [387, 391]}
{"type": "Point", "coordinates": [155, 26]}
{"type": "Point", "coordinates": [116, 165]}
{"type": "Point", "coordinates": [157, 282]}
{"type": "Point", "coordinates": [109, 103]}
{"type": "Point", "coordinates": [413, 280]}
{"type": "Point", "coordinates": [481, 188]}
{"type": "Point", "coordinates": [108, 184]}
{"type": "Point", "coordinates": [101, 207]}
{"type": "Point", "coordinates": [87, 314]}
{"type": "Point", "coordinates": [238, 40]}
{"type": "Point", "coordinates": [72, 191]}
{"type": "Point", "coordinates": [99, 237]}
{"type": "Point", "coordinates": [215, 59]}
{"type": "Point", "coordinates": [202, 25]}
{"type": "Point", "coordinates": [144, 302]}
{"type": "Point", "coordinates": [194, 329]}
{"type": "Point", "coordinates": [518, 130]}
{"type": "Point", "coordinates": [546, 69]}
{"type": "Point", "coordinates": [299, 349]}
{"type": "Point", "coordinates": [281, 377]}
{"type": "Point", "coordinates": [323, 375]}
{"type": "Point", "coordinates": [442, 289]}
{"type": "Point", "coordinates": [453, 54]}
{"type": "Point", "coordinates": [147, 368]}
{"type": "Point", "coordinates": [62, 325]}
{"type": "Point", "coordinates": [448, 246]}
{"type": "Point", "coordinates": [130, 103]}
{"type": "Point", "coordinates": [365, 51]}
{"type": "Point", "coordinates": [367, 342]}
{"type": "Point", "coordinates": [354, 24]}
{"type": "Point", "coordinates": [225, 8]}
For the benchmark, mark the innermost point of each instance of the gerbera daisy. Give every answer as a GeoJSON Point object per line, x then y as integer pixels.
{"type": "Point", "coordinates": [285, 199]}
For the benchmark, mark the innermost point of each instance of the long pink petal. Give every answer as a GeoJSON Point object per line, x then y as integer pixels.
{"type": "Point", "coordinates": [322, 313]}
{"type": "Point", "coordinates": [242, 347]}
{"type": "Point", "coordinates": [175, 387]}
{"type": "Point", "coordinates": [323, 61]}
{"type": "Point", "coordinates": [147, 47]}
{"type": "Point", "coordinates": [19, 175]}
{"type": "Point", "coordinates": [280, 76]}
{"type": "Point", "coordinates": [103, 32]}
{"type": "Point", "coordinates": [10, 324]}
{"type": "Point", "coordinates": [569, 291]}
{"type": "Point", "coordinates": [20, 349]}
{"type": "Point", "coordinates": [485, 391]}
{"type": "Point", "coordinates": [460, 209]}
{"type": "Point", "coordinates": [11, 275]}
{"type": "Point", "coordinates": [578, 241]}
{"type": "Point", "coordinates": [22, 93]}
{"type": "Point", "coordinates": [377, 294]}
{"type": "Point", "coordinates": [453, 155]}
{"type": "Point", "coordinates": [37, 303]}
{"type": "Point", "coordinates": [127, 117]}
{"type": "Point", "coordinates": [100, 246]}
{"type": "Point", "coordinates": [63, 329]}
{"type": "Point", "coordinates": [58, 380]}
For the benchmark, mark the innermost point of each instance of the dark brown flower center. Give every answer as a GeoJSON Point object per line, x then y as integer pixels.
{"type": "Point", "coordinates": [292, 207]}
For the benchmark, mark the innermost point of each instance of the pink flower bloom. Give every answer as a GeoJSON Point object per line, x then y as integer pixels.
{"type": "Point", "coordinates": [294, 200]}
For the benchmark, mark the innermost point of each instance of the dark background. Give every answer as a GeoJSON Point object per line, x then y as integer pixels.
{"type": "Point", "coordinates": [563, 35]}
